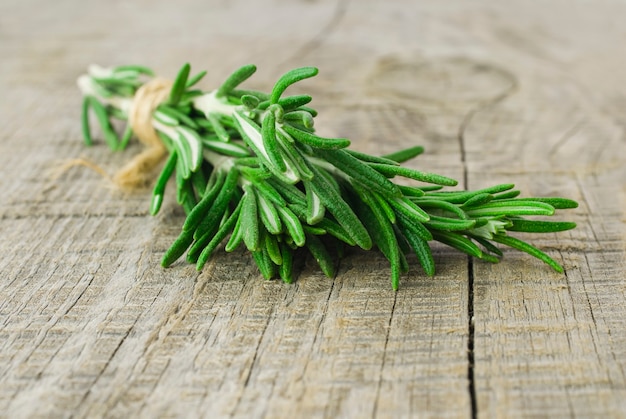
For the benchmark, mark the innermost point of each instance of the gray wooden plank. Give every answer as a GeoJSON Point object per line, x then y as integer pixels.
{"type": "Point", "coordinates": [550, 345]}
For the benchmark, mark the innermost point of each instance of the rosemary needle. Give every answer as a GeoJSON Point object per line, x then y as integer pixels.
{"type": "Point", "coordinates": [249, 164]}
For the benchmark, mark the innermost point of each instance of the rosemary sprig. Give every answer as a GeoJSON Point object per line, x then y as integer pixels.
{"type": "Point", "coordinates": [248, 165]}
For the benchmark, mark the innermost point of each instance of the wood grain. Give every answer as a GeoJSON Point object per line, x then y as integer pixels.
{"type": "Point", "coordinates": [92, 326]}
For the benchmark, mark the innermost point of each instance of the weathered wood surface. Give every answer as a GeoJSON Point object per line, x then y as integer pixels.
{"type": "Point", "coordinates": [524, 92]}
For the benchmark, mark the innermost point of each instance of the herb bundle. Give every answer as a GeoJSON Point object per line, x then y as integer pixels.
{"type": "Point", "coordinates": [249, 170]}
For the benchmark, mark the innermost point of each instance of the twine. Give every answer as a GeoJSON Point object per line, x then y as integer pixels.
{"type": "Point", "coordinates": [137, 172]}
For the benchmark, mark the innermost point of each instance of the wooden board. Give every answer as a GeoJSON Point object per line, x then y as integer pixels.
{"type": "Point", "coordinates": [92, 326]}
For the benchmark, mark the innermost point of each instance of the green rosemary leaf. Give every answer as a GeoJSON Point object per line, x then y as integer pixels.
{"type": "Point", "coordinates": [290, 78]}
{"type": "Point", "coordinates": [511, 207]}
{"type": "Point", "coordinates": [118, 84]}
{"type": "Point", "coordinates": [269, 215]}
{"type": "Point", "coordinates": [532, 226]}
{"type": "Point", "coordinates": [221, 234]}
{"type": "Point", "coordinates": [449, 224]}
{"type": "Point", "coordinates": [315, 208]}
{"type": "Point", "coordinates": [440, 205]}
{"type": "Point", "coordinates": [507, 195]}
{"type": "Point", "coordinates": [314, 140]}
{"type": "Point", "coordinates": [312, 111]}
{"type": "Point", "coordinates": [286, 138]}
{"type": "Point", "coordinates": [403, 263]}
{"type": "Point", "coordinates": [203, 207]}
{"type": "Point", "coordinates": [179, 84]}
{"type": "Point", "coordinates": [265, 264]}
{"type": "Point", "coordinates": [489, 258]}
{"type": "Point", "coordinates": [155, 203]}
{"type": "Point", "coordinates": [236, 237]}
{"type": "Point", "coordinates": [137, 68]}
{"type": "Point", "coordinates": [250, 219]}
{"type": "Point", "coordinates": [391, 171]}
{"type": "Point", "coordinates": [183, 149]}
{"type": "Point", "coordinates": [255, 174]}
{"type": "Point", "coordinates": [303, 118]}
{"type": "Point", "coordinates": [178, 115]}
{"type": "Point", "coordinates": [556, 203]}
{"type": "Point", "coordinates": [85, 121]}
{"type": "Point", "coordinates": [413, 225]}
{"type": "Point", "coordinates": [405, 248]}
{"type": "Point", "coordinates": [295, 160]}
{"type": "Point", "coordinates": [231, 148]}
{"type": "Point", "coordinates": [192, 145]}
{"type": "Point", "coordinates": [458, 242]}
{"type": "Point", "coordinates": [243, 92]}
{"type": "Point", "coordinates": [268, 134]}
{"type": "Point", "coordinates": [329, 177]}
{"type": "Point", "coordinates": [477, 200]}
{"type": "Point", "coordinates": [180, 181]}
{"type": "Point", "coordinates": [107, 130]}
{"type": "Point", "coordinates": [429, 188]}
{"type": "Point", "coordinates": [531, 250]}
{"type": "Point", "coordinates": [413, 192]}
{"type": "Point", "coordinates": [251, 134]}
{"type": "Point", "coordinates": [205, 126]}
{"type": "Point", "coordinates": [372, 159]}
{"type": "Point", "coordinates": [288, 103]}
{"type": "Point", "coordinates": [285, 269]}
{"type": "Point", "coordinates": [422, 250]}
{"type": "Point", "coordinates": [196, 248]}
{"type": "Point", "coordinates": [186, 109]}
{"type": "Point", "coordinates": [359, 171]}
{"type": "Point", "coordinates": [382, 233]}
{"type": "Point", "coordinates": [488, 245]}
{"type": "Point", "coordinates": [342, 212]}
{"type": "Point", "coordinates": [218, 128]}
{"type": "Point", "coordinates": [385, 207]}
{"type": "Point", "coordinates": [409, 209]}
{"type": "Point", "coordinates": [460, 197]}
{"type": "Point", "coordinates": [186, 101]}
{"type": "Point", "coordinates": [159, 187]}
{"type": "Point", "coordinates": [235, 79]}
{"type": "Point", "coordinates": [199, 246]}
{"type": "Point", "coordinates": [99, 89]}
{"type": "Point", "coordinates": [290, 193]}
{"type": "Point", "coordinates": [114, 113]}
{"type": "Point", "coordinates": [336, 231]}
{"type": "Point", "coordinates": [300, 210]}
{"type": "Point", "coordinates": [321, 255]}
{"type": "Point", "coordinates": [313, 230]}
{"type": "Point", "coordinates": [177, 248]}
{"type": "Point", "coordinates": [126, 135]}
{"type": "Point", "coordinates": [195, 79]}
{"type": "Point", "coordinates": [269, 193]}
{"type": "Point", "coordinates": [273, 249]}
{"type": "Point", "coordinates": [248, 161]}
{"type": "Point", "coordinates": [405, 155]}
{"type": "Point", "coordinates": [224, 196]}
{"type": "Point", "coordinates": [165, 118]}
{"type": "Point", "coordinates": [250, 102]}
{"type": "Point", "coordinates": [293, 225]}
{"type": "Point", "coordinates": [189, 200]}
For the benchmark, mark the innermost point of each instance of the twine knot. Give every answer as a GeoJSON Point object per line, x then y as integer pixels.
{"type": "Point", "coordinates": [137, 172]}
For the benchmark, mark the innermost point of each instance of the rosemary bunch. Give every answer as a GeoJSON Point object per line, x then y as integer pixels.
{"type": "Point", "coordinates": [250, 170]}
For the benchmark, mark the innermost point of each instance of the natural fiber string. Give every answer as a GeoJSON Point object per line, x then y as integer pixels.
{"type": "Point", "coordinates": [136, 173]}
